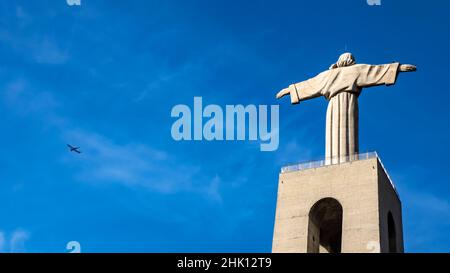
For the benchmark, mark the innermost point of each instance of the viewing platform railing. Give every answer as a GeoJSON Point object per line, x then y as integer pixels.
{"type": "Point", "coordinates": [334, 161]}
{"type": "Point", "coordinates": [327, 162]}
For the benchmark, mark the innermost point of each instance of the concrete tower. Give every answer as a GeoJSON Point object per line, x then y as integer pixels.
{"type": "Point", "coordinates": [347, 207]}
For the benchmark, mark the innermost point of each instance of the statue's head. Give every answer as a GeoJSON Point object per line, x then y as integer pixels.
{"type": "Point", "coordinates": [345, 59]}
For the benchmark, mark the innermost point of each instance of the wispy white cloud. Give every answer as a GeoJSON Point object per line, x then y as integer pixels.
{"type": "Point", "coordinates": [160, 80]}
{"type": "Point", "coordinates": [431, 203]}
{"type": "Point", "coordinates": [292, 152]}
{"type": "Point", "coordinates": [23, 17]}
{"type": "Point", "coordinates": [423, 211]}
{"type": "Point", "coordinates": [42, 50]}
{"type": "Point", "coordinates": [48, 52]}
{"type": "Point", "coordinates": [2, 242]}
{"type": "Point", "coordinates": [422, 207]}
{"type": "Point", "coordinates": [21, 14]}
{"type": "Point", "coordinates": [105, 161]}
{"type": "Point", "coordinates": [14, 89]}
{"type": "Point", "coordinates": [137, 165]}
{"type": "Point", "coordinates": [16, 241]}
{"type": "Point", "coordinates": [37, 47]}
{"type": "Point", "coordinates": [213, 189]}
{"type": "Point", "coordinates": [22, 97]}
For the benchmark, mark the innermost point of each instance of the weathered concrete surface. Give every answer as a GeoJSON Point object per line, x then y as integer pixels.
{"type": "Point", "coordinates": [361, 187]}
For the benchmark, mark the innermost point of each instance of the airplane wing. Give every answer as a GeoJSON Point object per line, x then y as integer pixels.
{"type": "Point", "coordinates": [74, 149]}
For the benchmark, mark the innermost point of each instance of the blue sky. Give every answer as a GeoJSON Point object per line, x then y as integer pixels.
{"type": "Point", "coordinates": [105, 76]}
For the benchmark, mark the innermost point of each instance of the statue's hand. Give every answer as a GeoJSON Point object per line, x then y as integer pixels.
{"type": "Point", "coordinates": [407, 68]}
{"type": "Point", "coordinates": [283, 93]}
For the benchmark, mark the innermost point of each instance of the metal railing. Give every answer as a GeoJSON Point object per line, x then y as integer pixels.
{"type": "Point", "coordinates": [327, 162]}
{"type": "Point", "coordinates": [334, 161]}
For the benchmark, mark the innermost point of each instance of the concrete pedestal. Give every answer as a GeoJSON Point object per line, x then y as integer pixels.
{"type": "Point", "coordinates": [349, 207]}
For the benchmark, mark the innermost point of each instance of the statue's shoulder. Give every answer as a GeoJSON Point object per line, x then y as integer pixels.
{"type": "Point", "coordinates": [354, 67]}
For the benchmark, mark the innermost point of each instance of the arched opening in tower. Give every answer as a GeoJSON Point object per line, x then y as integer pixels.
{"type": "Point", "coordinates": [392, 234]}
{"type": "Point", "coordinates": [325, 227]}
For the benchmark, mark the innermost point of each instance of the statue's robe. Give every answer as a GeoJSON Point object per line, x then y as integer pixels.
{"type": "Point", "coordinates": [341, 87]}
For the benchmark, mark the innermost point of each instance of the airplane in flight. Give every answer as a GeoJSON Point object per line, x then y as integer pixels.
{"type": "Point", "coordinates": [74, 149]}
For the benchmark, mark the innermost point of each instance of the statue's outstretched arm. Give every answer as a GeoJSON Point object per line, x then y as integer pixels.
{"type": "Point", "coordinates": [407, 68]}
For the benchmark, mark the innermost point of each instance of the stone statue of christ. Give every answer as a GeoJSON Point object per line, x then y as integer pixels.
{"type": "Point", "coordinates": [341, 86]}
